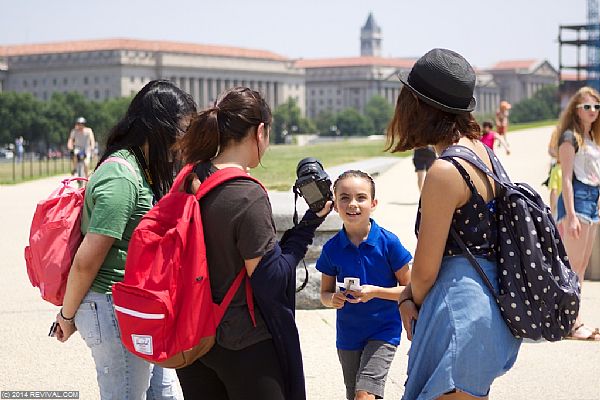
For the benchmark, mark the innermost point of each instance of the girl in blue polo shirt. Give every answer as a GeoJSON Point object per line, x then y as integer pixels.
{"type": "Point", "coordinates": [362, 267]}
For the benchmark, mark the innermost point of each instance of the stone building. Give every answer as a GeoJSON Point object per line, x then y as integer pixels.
{"type": "Point", "coordinates": [337, 83]}
{"type": "Point", "coordinates": [104, 69]}
{"type": "Point", "coordinates": [520, 79]}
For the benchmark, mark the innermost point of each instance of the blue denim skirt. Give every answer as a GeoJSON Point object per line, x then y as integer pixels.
{"type": "Point", "coordinates": [585, 199]}
{"type": "Point", "coordinates": [460, 340]}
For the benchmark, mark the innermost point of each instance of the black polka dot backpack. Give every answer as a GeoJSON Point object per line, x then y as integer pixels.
{"type": "Point", "coordinates": [539, 293]}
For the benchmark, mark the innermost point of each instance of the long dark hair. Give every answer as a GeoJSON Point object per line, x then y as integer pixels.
{"type": "Point", "coordinates": [230, 119]}
{"type": "Point", "coordinates": [154, 116]}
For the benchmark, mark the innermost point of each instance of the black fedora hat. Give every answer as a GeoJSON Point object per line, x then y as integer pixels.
{"type": "Point", "coordinates": [443, 79]}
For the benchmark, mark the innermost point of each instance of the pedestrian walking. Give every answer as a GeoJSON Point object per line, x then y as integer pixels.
{"type": "Point", "coordinates": [423, 158]}
{"type": "Point", "coordinates": [489, 137]}
{"type": "Point", "coordinates": [502, 114]}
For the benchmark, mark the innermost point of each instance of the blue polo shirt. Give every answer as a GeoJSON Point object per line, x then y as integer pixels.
{"type": "Point", "coordinates": [375, 262]}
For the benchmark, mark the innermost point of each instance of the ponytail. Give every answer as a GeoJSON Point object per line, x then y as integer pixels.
{"type": "Point", "coordinates": [202, 140]}
{"type": "Point", "coordinates": [237, 112]}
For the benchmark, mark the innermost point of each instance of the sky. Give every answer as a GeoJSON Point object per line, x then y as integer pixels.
{"type": "Point", "coordinates": [483, 31]}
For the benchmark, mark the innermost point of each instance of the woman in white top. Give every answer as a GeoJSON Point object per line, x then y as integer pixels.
{"type": "Point", "coordinates": [579, 157]}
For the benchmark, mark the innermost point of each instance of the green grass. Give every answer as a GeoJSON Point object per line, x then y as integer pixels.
{"type": "Point", "coordinates": [278, 171]}
{"type": "Point", "coordinates": [16, 172]}
{"type": "Point", "coordinates": [529, 125]}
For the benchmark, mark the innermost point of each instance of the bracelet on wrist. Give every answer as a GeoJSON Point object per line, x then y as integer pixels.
{"type": "Point", "coordinates": [402, 301]}
{"type": "Point", "coordinates": [71, 320]}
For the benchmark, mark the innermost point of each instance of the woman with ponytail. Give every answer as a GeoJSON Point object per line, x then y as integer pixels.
{"type": "Point", "coordinates": [133, 173]}
{"type": "Point", "coordinates": [260, 360]}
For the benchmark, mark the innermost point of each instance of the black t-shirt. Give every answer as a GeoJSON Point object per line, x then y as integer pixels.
{"type": "Point", "coordinates": [569, 137]}
{"type": "Point", "coordinates": [238, 225]}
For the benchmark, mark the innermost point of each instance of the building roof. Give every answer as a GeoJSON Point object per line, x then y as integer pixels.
{"type": "Point", "coordinates": [356, 62]}
{"type": "Point", "coordinates": [515, 64]}
{"type": "Point", "coordinates": [137, 45]}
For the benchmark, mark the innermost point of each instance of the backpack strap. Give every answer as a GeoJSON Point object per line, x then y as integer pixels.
{"type": "Point", "coordinates": [223, 175]}
{"type": "Point", "coordinates": [497, 173]}
{"type": "Point", "coordinates": [463, 172]}
{"type": "Point", "coordinates": [180, 178]}
{"type": "Point", "coordinates": [467, 253]}
{"type": "Point", "coordinates": [237, 282]}
{"type": "Point", "coordinates": [214, 180]}
{"type": "Point", "coordinates": [121, 161]}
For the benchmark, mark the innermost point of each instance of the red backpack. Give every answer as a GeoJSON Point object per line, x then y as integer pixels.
{"type": "Point", "coordinates": [164, 304]}
{"type": "Point", "coordinates": [55, 236]}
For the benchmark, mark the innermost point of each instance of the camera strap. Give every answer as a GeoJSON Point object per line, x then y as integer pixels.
{"type": "Point", "coordinates": [305, 277]}
{"type": "Point", "coordinates": [295, 218]}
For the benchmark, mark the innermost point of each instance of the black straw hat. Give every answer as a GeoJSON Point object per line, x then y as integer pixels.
{"type": "Point", "coordinates": [443, 79]}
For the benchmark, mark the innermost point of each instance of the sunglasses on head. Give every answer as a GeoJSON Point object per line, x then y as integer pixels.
{"type": "Point", "coordinates": [588, 107]}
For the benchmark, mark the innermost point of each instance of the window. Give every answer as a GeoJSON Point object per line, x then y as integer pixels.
{"type": "Point", "coordinates": [54, 82]}
{"type": "Point", "coordinates": [85, 80]}
{"type": "Point", "coordinates": [132, 79]}
{"type": "Point", "coordinates": [35, 83]}
{"type": "Point", "coordinates": [96, 94]}
{"type": "Point", "coordinates": [24, 83]}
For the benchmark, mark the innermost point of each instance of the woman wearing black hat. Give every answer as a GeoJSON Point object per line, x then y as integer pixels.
{"type": "Point", "coordinates": [460, 343]}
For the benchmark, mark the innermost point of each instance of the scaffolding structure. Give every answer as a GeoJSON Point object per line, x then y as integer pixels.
{"type": "Point", "coordinates": [585, 36]}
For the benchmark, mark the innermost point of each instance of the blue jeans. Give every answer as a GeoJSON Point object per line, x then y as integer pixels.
{"type": "Point", "coordinates": [120, 374]}
{"type": "Point", "coordinates": [585, 202]}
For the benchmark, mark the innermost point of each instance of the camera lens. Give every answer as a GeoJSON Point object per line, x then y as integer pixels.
{"type": "Point", "coordinates": [308, 166]}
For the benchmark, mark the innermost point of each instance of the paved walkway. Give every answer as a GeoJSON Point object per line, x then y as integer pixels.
{"type": "Point", "coordinates": [29, 360]}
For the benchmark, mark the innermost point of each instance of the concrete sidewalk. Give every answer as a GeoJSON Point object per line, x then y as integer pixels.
{"type": "Point", "coordinates": [29, 360]}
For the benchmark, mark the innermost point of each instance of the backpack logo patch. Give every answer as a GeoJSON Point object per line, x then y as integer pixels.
{"type": "Point", "coordinates": [142, 344]}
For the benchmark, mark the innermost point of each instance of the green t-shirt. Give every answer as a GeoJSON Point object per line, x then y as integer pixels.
{"type": "Point", "coordinates": [115, 201]}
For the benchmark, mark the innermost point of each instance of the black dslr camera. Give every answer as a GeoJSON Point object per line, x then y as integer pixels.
{"type": "Point", "coordinates": [313, 183]}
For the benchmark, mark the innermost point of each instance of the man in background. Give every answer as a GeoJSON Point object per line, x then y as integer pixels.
{"type": "Point", "coordinates": [81, 143]}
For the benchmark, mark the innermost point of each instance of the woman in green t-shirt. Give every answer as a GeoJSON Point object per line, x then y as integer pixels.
{"type": "Point", "coordinates": [117, 195]}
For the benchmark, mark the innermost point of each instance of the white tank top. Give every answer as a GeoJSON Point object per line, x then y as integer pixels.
{"type": "Point", "coordinates": [587, 163]}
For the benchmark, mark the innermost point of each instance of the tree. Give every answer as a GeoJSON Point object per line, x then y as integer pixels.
{"type": "Point", "coordinates": [288, 119]}
{"type": "Point", "coordinates": [542, 105]}
{"type": "Point", "coordinates": [351, 123]}
{"type": "Point", "coordinates": [45, 124]}
{"type": "Point", "coordinates": [324, 123]}
{"type": "Point", "coordinates": [380, 112]}
{"type": "Point", "coordinates": [21, 115]}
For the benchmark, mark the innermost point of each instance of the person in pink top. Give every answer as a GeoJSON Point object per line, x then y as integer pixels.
{"type": "Point", "coordinates": [489, 137]}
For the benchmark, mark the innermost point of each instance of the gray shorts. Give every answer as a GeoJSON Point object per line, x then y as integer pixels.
{"type": "Point", "coordinates": [367, 369]}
